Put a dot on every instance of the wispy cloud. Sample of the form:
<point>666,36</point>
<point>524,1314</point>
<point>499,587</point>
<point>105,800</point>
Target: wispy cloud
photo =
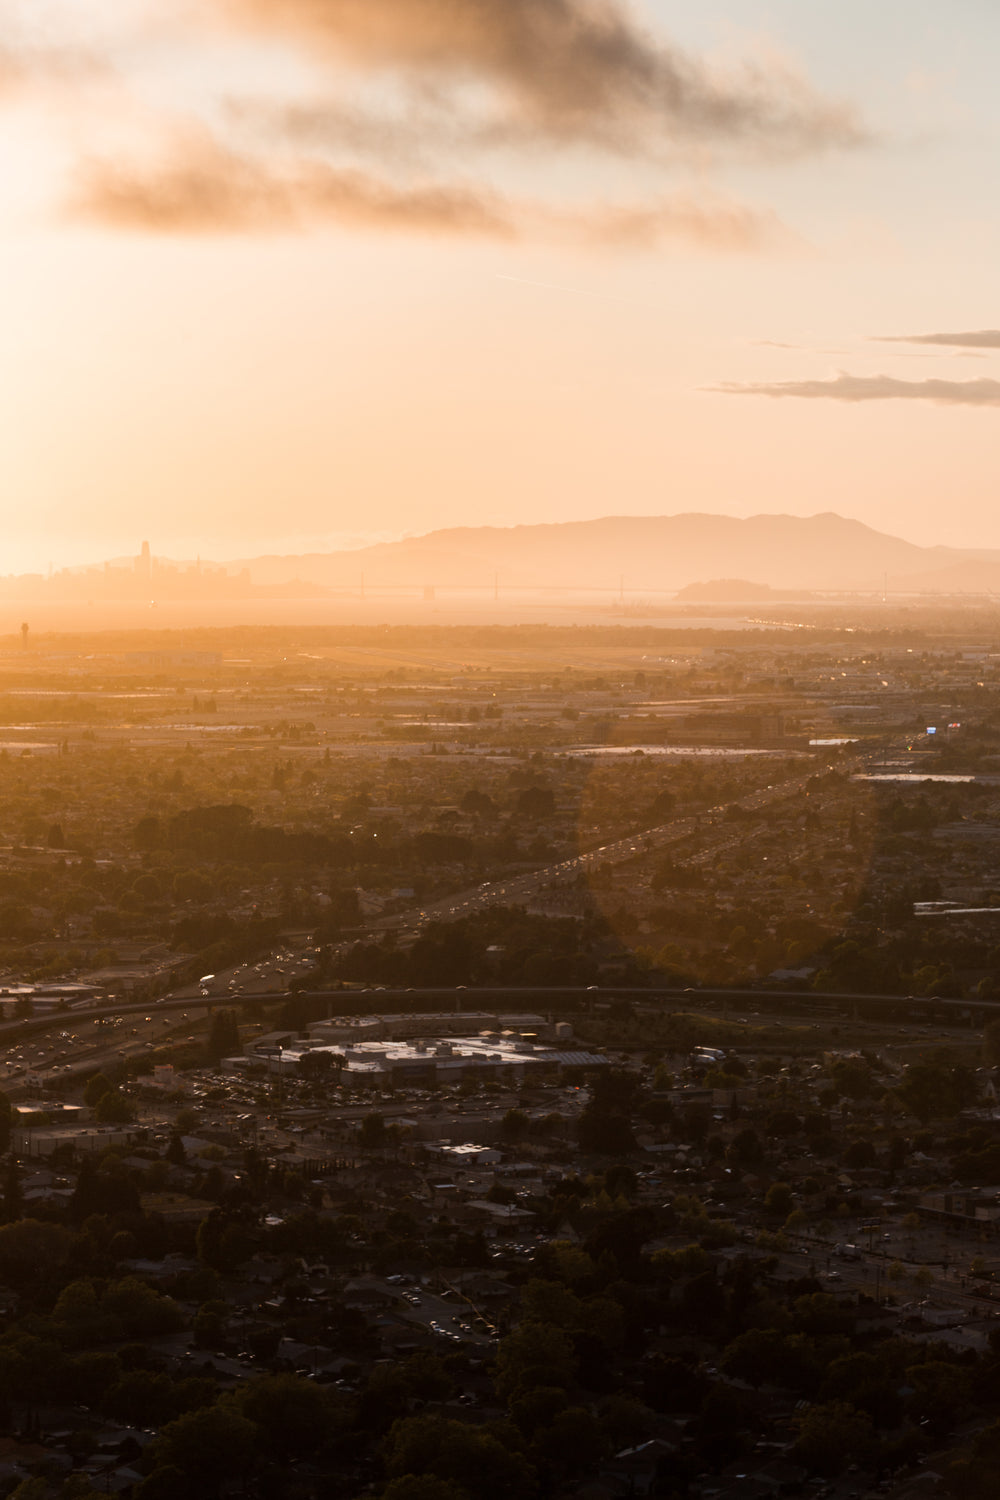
<point>570,70</point>
<point>29,68</point>
<point>854,388</point>
<point>201,187</point>
<point>985,338</point>
<point>418,115</point>
<point>712,222</point>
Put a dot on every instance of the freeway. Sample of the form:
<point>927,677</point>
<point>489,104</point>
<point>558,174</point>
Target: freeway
<point>67,1044</point>
<point>79,1049</point>
<point>517,889</point>
<point>490,998</point>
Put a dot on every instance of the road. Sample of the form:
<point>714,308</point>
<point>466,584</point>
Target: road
<point>516,890</point>
<point>945,1257</point>
<point>65,1044</point>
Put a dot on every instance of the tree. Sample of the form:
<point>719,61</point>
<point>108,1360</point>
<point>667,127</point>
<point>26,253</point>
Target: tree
<point>936,1088</point>
<point>175,1153</point>
<point>860,1154</point>
<point>626,1421</point>
<point>165,1483</point>
<point>831,1435</point>
<point>141,1398</point>
<point>571,1444</point>
<point>424,1487</point>
<point>991,1043</point>
<point>779,1199</point>
<point>31,1489</point>
<point>77,1314</point>
<point>852,1077</point>
<point>292,1414</point>
<point>209,1447</point>
<point>536,803</point>
<point>191,885</point>
<point>114,1109</point>
<point>6,1116</point>
<point>604,1125</point>
<point>534,1354</point>
<point>475,1460</point>
<point>763,1356</point>
<point>745,1148</point>
<point>373,1132</point>
<point>29,1250</point>
<point>138,1310</point>
<point>478,804</point>
<point>148,887</point>
<point>868,1382</point>
<point>976,1479</point>
<point>316,1065</point>
<point>940,1391</point>
<point>13,1200</point>
<point>222,1242</point>
<point>148,833</point>
<point>537,1408</point>
<point>95,1089</point>
<point>426,1378</point>
<point>105,1190</point>
<point>223,1035</point>
<point>620,1180</point>
<point>209,1326</point>
<point>514,1125</point>
<point>820,1315</point>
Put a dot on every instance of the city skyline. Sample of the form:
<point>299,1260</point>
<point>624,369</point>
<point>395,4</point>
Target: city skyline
<point>303,277</point>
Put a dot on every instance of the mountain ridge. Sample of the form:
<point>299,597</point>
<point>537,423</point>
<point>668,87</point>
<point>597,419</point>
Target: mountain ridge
<point>660,553</point>
<point>611,554</point>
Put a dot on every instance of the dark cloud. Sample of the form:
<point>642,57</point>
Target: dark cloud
<point>201,187</point>
<point>874,388</point>
<point>985,338</point>
<point>579,70</point>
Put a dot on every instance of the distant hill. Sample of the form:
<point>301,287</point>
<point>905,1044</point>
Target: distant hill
<point>734,591</point>
<point>647,552</point>
<point>790,555</point>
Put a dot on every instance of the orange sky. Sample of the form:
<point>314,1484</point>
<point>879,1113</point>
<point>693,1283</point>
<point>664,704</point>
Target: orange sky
<point>281,274</point>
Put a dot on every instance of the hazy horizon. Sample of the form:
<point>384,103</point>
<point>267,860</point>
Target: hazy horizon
<point>358,542</point>
<point>192,554</point>
<point>289,277</point>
